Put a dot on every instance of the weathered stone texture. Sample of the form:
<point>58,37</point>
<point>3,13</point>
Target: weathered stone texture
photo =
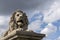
<point>23,35</point>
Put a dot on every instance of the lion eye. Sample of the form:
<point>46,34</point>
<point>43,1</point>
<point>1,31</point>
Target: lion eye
<point>17,14</point>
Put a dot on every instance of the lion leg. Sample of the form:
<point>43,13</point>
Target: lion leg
<point>6,33</point>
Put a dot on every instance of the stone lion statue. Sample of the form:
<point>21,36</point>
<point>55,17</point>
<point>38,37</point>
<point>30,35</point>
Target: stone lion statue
<point>18,20</point>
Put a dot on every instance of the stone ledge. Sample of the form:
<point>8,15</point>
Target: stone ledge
<point>23,34</point>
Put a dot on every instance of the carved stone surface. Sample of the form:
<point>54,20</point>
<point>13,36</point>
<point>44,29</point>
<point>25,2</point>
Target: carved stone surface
<point>23,35</point>
<point>18,26</point>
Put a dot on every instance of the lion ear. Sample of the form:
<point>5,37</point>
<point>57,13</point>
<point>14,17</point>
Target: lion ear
<point>13,15</point>
<point>24,14</point>
<point>11,18</point>
<point>26,19</point>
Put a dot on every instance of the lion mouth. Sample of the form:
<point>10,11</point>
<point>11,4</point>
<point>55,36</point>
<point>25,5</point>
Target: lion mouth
<point>20,21</point>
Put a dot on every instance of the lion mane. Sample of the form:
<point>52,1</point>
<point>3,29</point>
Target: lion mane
<point>13,25</point>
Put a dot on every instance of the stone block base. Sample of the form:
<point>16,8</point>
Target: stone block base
<point>23,35</point>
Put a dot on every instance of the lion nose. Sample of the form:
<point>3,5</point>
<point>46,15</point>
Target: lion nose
<point>21,16</point>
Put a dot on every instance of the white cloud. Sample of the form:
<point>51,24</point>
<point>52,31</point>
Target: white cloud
<point>47,38</point>
<point>50,15</point>
<point>49,29</point>
<point>35,25</point>
<point>58,38</point>
<point>3,23</point>
<point>53,14</point>
<point>32,13</point>
<point>3,20</point>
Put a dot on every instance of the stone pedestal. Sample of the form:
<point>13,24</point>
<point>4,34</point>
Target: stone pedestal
<point>23,35</point>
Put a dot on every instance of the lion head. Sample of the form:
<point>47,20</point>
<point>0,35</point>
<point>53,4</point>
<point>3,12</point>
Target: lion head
<point>18,20</point>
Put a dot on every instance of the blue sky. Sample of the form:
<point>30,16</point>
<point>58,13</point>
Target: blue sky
<point>43,15</point>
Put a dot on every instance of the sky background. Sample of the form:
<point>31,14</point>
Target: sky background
<point>43,15</point>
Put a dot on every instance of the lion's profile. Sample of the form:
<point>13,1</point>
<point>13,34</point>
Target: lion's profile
<point>18,20</point>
